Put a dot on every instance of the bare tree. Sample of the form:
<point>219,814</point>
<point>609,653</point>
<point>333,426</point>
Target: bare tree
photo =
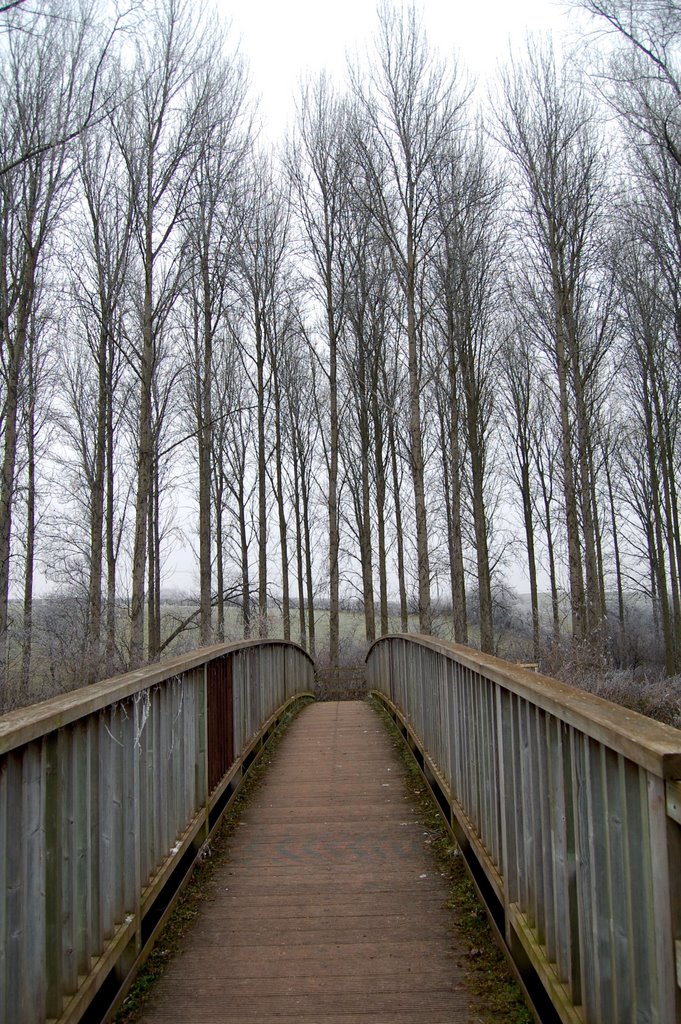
<point>467,259</point>
<point>37,421</point>
<point>408,111</point>
<point>644,71</point>
<point>317,162</point>
<point>234,483</point>
<point>40,87</point>
<point>101,262</point>
<point>651,375</point>
<point>301,426</point>
<point>92,97</point>
<point>547,123</point>
<point>519,392</point>
<point>262,267</point>
<point>211,251</point>
<point>157,131</point>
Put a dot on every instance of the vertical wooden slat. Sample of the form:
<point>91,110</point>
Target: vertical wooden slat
<point>585,877</point>
<point>119,845</point>
<point>34,867</point>
<point>94,922</point>
<point>618,871</point>
<point>131,810</point>
<point>143,729</point>
<point>82,830</point>
<point>666,1001</point>
<point>601,911</point>
<point>4,884</point>
<point>53,876</point>
<point>562,866</point>
<point>545,844</point>
<point>508,865</point>
<point>68,865</point>
<point>220,720</point>
<point>157,781</point>
<point>106,814</point>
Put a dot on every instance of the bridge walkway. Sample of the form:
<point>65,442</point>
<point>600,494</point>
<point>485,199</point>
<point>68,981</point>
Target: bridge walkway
<point>331,907</point>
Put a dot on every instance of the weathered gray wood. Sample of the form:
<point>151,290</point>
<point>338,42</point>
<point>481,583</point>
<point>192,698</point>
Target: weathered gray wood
<point>622,935</point>
<point>20,726</point>
<point>589,861</point>
<point>94,921</point>
<point>4,882</point>
<point>68,866</point>
<point>82,851</point>
<point>651,744</point>
<point>99,792</point>
<point>35,873</point>
<point>132,872</point>
<point>53,876</point>
<point>668,1000</point>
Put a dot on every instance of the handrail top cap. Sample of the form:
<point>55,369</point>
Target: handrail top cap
<point>651,744</point>
<point>28,723</point>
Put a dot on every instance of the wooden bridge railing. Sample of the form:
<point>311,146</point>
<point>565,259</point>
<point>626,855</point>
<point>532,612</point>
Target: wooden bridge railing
<point>568,811</point>
<point>107,795</point>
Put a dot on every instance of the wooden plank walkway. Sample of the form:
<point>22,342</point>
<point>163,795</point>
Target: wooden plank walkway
<point>331,907</point>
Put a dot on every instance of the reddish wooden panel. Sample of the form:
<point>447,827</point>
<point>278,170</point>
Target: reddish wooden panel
<point>220,719</point>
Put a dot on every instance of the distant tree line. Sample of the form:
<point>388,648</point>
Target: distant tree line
<point>427,337</point>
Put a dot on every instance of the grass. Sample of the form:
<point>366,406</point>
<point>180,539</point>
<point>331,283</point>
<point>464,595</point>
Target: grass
<point>197,890</point>
<point>487,973</point>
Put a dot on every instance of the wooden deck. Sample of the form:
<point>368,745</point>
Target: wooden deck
<point>331,907</point>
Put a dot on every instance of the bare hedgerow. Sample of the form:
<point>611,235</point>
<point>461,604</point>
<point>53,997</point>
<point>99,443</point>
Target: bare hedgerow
<point>585,664</point>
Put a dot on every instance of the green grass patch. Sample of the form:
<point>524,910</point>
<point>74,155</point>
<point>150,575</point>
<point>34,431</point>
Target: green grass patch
<point>487,972</point>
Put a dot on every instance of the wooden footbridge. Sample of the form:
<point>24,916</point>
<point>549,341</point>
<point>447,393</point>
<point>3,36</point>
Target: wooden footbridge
<point>566,808</point>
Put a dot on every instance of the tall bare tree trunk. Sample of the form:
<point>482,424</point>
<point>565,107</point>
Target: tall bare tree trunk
<point>144,454</point>
<point>205,445</point>
<point>380,481</point>
<point>15,349</point>
<point>416,444</point>
<point>281,508</point>
<point>300,569</point>
<point>219,562</point>
<point>29,559</point>
<point>110,541</point>
<point>262,476</point>
<point>399,536</point>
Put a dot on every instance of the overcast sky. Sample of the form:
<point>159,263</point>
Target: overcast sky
<point>285,40</point>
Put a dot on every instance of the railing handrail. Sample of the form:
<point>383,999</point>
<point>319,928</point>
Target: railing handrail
<point>23,725</point>
<point>653,745</point>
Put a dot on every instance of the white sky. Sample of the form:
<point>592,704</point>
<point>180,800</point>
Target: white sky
<point>285,40</point>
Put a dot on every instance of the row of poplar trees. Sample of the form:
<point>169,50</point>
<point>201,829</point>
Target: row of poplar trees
<point>429,336</point>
